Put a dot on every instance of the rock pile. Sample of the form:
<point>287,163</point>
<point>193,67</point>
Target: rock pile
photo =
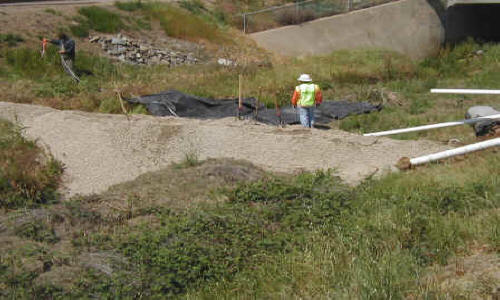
<point>138,52</point>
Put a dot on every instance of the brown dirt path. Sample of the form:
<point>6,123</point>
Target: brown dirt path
<point>100,150</point>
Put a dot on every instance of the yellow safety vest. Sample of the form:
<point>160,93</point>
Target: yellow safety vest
<point>307,94</point>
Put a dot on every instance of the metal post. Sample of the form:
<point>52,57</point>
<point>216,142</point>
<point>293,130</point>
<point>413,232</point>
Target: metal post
<point>240,96</point>
<point>349,5</point>
<point>244,23</point>
<point>297,9</point>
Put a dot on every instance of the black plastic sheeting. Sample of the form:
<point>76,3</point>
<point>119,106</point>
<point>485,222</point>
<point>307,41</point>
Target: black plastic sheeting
<point>175,103</point>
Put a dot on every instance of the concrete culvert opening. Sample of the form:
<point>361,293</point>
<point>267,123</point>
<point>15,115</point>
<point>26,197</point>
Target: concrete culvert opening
<point>472,19</point>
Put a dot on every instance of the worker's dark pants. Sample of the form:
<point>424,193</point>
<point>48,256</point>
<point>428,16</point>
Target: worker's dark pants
<point>306,116</point>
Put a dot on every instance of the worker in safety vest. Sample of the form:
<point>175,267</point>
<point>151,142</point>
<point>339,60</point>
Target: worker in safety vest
<point>306,96</point>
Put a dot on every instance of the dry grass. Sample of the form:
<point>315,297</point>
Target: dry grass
<point>179,187</point>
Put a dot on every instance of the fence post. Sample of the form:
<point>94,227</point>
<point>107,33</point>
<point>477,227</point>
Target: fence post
<point>240,94</point>
<point>297,9</point>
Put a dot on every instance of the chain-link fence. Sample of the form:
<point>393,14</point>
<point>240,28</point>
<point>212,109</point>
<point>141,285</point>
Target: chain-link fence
<point>299,12</point>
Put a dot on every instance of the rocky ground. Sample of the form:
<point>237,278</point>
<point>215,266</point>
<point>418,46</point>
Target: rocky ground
<point>142,52</point>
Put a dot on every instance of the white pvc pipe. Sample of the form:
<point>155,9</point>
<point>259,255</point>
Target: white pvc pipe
<point>453,152</point>
<point>433,126</point>
<point>465,91</point>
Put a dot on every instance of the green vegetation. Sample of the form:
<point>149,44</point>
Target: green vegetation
<point>10,39</point>
<point>191,22</point>
<point>401,85</point>
<point>101,19</point>
<point>53,12</point>
<point>28,178</point>
<point>374,242</point>
<point>49,83</point>
<point>37,231</point>
<point>181,24</point>
<point>130,5</point>
<point>302,236</point>
<point>98,19</point>
<point>225,229</point>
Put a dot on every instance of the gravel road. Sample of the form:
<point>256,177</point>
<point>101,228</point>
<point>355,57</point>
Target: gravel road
<point>100,150</point>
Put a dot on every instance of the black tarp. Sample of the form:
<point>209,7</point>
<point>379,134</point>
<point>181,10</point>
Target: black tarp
<point>175,103</point>
<point>484,127</point>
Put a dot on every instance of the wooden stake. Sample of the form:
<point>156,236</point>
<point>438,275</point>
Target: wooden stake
<point>278,110</point>
<point>240,92</point>
<point>257,103</point>
<point>120,99</point>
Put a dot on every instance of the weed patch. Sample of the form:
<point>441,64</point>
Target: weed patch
<point>301,235</point>
<point>28,178</point>
<point>217,242</point>
<point>180,23</point>
<point>101,19</point>
<point>10,39</point>
<point>37,231</point>
<point>130,5</point>
<point>52,12</point>
<point>377,242</point>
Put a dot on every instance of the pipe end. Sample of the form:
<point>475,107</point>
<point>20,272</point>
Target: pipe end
<point>404,163</point>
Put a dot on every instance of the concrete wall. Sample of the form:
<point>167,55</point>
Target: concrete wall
<point>411,27</point>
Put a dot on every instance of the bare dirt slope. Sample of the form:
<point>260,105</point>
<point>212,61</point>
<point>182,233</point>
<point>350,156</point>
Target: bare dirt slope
<point>100,150</point>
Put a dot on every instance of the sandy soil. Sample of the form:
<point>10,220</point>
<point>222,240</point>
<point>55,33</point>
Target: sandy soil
<point>99,150</point>
<point>475,276</point>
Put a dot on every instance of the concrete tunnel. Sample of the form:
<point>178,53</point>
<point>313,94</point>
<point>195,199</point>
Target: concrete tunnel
<point>478,19</point>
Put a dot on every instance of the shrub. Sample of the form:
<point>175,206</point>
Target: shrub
<point>28,178</point>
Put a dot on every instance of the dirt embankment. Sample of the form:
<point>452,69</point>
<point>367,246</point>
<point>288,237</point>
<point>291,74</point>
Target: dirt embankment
<point>100,150</point>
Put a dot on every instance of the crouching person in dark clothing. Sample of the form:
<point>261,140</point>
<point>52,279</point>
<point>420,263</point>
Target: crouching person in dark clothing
<point>67,52</point>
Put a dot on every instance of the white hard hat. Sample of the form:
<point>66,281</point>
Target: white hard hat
<point>305,78</point>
